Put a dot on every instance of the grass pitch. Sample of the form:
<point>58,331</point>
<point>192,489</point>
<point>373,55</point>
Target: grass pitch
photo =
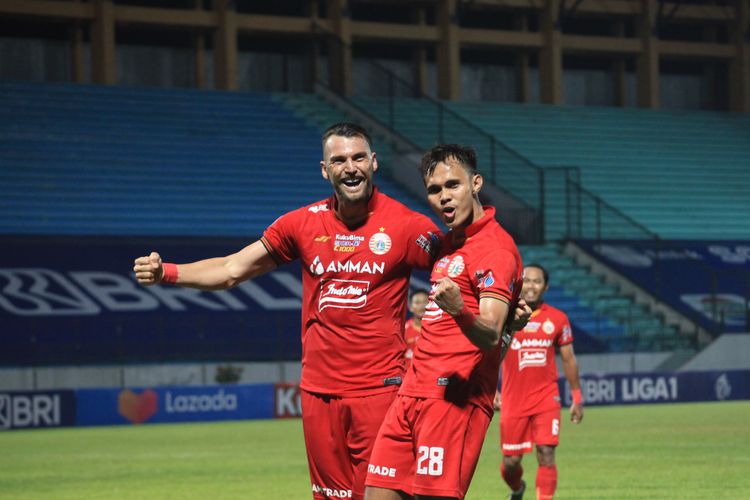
<point>673,451</point>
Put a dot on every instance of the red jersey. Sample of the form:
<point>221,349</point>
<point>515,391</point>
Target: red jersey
<point>411,335</point>
<point>447,365</point>
<point>529,384</point>
<point>354,289</point>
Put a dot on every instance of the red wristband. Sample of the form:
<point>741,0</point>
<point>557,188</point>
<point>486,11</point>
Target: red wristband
<point>170,273</point>
<point>465,319</point>
<point>576,394</point>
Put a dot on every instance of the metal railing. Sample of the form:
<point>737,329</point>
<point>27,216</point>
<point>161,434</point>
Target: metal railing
<point>393,101</point>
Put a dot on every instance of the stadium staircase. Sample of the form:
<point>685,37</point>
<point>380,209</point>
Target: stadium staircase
<point>85,159</point>
<point>682,175</point>
<point>603,318</point>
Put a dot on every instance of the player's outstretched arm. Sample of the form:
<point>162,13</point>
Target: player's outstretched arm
<point>570,368</point>
<point>483,330</point>
<point>217,273</point>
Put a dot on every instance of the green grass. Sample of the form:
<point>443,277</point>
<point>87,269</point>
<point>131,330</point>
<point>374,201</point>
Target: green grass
<point>660,451</point>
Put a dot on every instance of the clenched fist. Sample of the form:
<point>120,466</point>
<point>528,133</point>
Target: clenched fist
<point>447,295</point>
<point>148,269</point>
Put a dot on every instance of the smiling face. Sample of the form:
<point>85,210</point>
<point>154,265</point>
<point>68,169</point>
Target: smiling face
<point>349,165</point>
<point>534,286</point>
<point>451,192</point>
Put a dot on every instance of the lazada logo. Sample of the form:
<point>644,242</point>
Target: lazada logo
<point>137,408</point>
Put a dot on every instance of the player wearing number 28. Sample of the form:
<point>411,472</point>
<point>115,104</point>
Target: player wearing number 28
<point>430,440</point>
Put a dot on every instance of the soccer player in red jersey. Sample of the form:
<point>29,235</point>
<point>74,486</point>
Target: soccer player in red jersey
<point>431,437</point>
<point>530,397</point>
<point>413,327</point>
<point>357,249</point>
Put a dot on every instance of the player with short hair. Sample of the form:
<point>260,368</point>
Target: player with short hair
<point>431,438</point>
<point>357,249</point>
<point>530,397</point>
<point>413,327</point>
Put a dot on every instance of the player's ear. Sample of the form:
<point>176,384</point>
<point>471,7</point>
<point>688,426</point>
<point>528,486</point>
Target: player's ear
<point>476,184</point>
<point>323,169</point>
<point>374,162</point>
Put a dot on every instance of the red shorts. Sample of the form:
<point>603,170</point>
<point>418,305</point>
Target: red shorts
<point>428,447</point>
<point>339,435</point>
<point>519,435</point>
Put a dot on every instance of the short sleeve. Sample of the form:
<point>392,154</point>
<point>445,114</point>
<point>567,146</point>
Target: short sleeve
<point>280,238</point>
<point>496,276</point>
<point>423,241</point>
<point>565,336</point>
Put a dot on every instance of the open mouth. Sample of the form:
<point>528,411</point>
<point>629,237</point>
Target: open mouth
<point>449,212</point>
<point>353,182</point>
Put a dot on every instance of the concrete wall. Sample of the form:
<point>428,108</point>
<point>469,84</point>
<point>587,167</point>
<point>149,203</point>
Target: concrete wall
<point>728,352</point>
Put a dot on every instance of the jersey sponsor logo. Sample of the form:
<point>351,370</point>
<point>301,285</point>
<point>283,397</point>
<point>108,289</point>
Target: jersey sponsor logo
<point>323,207</point>
<point>322,239</point>
<point>343,294</point>
<point>381,470</point>
<point>456,266</point>
<point>548,327</point>
<point>487,280</point>
<point>532,357</point>
<point>331,492</point>
<point>441,265</point>
<point>518,344</point>
<point>347,243</point>
<point>380,243</point>
<point>567,334</point>
<point>532,327</point>
<point>318,267</point>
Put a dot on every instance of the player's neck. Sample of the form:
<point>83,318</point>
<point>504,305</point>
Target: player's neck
<point>352,214</point>
<point>416,323</point>
<point>458,233</point>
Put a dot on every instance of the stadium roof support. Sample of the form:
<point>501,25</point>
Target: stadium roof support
<point>439,25</point>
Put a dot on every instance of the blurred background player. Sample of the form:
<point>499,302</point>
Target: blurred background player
<point>433,433</point>
<point>357,249</point>
<point>413,327</point>
<point>530,412</point>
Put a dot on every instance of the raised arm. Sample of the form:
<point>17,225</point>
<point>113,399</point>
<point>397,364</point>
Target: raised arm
<point>483,330</point>
<point>217,273</point>
<point>570,369</point>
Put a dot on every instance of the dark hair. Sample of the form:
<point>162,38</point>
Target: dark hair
<point>465,155</point>
<point>346,129</point>
<point>544,272</point>
<point>418,291</point>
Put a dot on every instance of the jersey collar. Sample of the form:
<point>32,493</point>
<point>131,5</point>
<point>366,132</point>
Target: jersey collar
<point>476,226</point>
<point>372,203</point>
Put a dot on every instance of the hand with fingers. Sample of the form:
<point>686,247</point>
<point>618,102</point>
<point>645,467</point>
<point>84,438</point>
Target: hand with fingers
<point>521,316</point>
<point>576,413</point>
<point>148,269</point>
<point>447,296</point>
